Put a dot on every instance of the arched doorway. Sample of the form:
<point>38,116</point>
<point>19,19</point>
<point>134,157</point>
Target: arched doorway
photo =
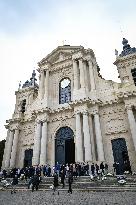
<point>64,146</point>
<point>120,155</point>
<point>28,157</point>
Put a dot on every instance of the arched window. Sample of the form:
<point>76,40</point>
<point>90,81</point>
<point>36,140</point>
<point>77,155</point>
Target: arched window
<point>23,106</point>
<point>64,91</point>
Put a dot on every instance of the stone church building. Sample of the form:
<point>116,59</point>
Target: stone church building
<point>74,115</point>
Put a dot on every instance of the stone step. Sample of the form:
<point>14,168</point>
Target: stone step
<point>82,183</point>
<point>89,189</point>
<point>81,186</point>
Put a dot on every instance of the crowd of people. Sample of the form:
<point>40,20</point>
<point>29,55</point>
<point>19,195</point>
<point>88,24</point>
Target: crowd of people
<point>34,174</point>
<point>77,169</point>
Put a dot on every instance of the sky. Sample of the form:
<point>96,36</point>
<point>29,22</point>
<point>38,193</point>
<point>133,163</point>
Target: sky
<point>30,29</point>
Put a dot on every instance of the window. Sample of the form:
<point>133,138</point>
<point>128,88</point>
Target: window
<point>23,106</point>
<point>133,71</point>
<point>64,91</point>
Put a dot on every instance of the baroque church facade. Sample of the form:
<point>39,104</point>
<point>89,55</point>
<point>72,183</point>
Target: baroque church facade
<point>74,115</point>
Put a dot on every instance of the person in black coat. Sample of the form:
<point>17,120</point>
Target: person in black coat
<point>35,182</point>
<point>14,183</point>
<point>55,182</point>
<point>62,177</point>
<point>92,169</point>
<point>70,180</point>
<point>102,168</point>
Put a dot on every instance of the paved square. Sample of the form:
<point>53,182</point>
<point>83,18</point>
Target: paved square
<point>85,198</point>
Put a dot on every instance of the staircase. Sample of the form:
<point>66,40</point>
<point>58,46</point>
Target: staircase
<point>84,183</point>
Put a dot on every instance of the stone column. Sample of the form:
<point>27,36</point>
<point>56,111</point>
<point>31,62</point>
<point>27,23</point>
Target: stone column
<point>75,69</point>
<point>92,138</point>
<point>37,144</point>
<point>9,148</point>
<point>79,142</point>
<point>87,139</point>
<point>132,124</point>
<point>46,85</point>
<point>53,152</point>
<point>6,148</point>
<point>99,142</point>
<point>14,149</point>
<point>41,84</point>
<point>82,74</point>
<point>43,156</point>
<point>91,75</point>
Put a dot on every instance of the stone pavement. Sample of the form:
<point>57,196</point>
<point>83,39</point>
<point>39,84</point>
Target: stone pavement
<point>78,197</point>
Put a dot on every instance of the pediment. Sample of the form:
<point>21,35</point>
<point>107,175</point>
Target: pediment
<point>59,54</point>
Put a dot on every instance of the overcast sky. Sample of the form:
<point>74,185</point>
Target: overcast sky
<point>30,29</point>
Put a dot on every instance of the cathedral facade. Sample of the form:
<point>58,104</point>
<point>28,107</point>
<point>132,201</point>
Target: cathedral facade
<point>73,114</point>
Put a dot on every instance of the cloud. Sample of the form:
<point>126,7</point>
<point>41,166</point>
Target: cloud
<point>31,29</point>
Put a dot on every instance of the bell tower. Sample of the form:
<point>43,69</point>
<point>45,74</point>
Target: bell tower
<point>126,64</point>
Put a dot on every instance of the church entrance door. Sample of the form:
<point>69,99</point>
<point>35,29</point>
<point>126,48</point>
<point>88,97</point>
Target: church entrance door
<point>120,155</point>
<point>28,158</point>
<point>64,146</point>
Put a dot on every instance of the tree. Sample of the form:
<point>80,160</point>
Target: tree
<point>2,146</point>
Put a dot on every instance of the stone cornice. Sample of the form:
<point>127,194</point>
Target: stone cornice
<point>24,90</point>
<point>124,59</point>
<point>126,94</point>
<point>6,126</point>
<point>60,109</point>
<point>119,98</point>
<point>70,106</point>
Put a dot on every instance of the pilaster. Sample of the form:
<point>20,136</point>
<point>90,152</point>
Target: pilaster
<point>91,75</point>
<point>82,74</point>
<point>132,124</point>
<point>79,140</point>
<point>41,84</point>
<point>14,149</point>
<point>99,142</point>
<point>9,148</point>
<point>43,155</point>
<point>37,143</point>
<point>6,149</point>
<point>87,141</point>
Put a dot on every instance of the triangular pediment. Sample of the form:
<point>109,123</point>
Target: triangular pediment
<point>60,54</point>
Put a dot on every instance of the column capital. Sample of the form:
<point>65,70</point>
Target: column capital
<point>75,60</point>
<point>128,107</point>
<point>85,112</point>
<point>42,70</point>
<point>45,120</point>
<point>37,121</point>
<point>90,62</point>
<point>77,112</point>
<point>46,70</point>
<point>95,112</point>
<point>16,127</point>
<point>81,59</point>
<point>11,130</point>
<point>46,65</point>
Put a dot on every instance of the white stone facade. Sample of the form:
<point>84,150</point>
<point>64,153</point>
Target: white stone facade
<point>99,110</point>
